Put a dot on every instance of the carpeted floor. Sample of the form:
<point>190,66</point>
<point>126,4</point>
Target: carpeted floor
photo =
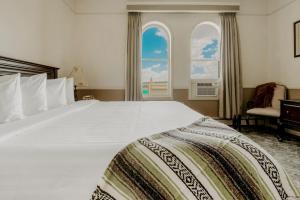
<point>287,153</point>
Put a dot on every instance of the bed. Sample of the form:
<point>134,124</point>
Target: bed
<point>64,152</point>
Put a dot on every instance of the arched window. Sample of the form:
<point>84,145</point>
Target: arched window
<point>156,65</point>
<point>205,51</point>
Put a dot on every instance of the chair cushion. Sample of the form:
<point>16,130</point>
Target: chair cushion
<point>279,94</point>
<point>269,112</point>
<point>263,95</point>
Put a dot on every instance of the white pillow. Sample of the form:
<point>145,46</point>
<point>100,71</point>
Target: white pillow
<point>56,92</point>
<point>10,98</point>
<point>70,90</point>
<point>34,94</point>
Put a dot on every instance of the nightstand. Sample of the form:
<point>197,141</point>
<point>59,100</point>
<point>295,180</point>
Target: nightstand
<point>289,118</point>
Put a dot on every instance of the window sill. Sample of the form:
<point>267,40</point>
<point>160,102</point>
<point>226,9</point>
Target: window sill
<point>158,99</point>
<point>203,98</point>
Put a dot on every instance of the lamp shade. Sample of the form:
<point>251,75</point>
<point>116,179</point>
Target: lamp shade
<point>79,77</point>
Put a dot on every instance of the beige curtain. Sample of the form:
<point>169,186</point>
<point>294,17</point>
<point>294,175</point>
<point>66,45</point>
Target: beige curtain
<point>133,75</point>
<point>231,86</point>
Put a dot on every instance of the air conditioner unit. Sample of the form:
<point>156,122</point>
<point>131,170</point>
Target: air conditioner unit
<point>204,90</point>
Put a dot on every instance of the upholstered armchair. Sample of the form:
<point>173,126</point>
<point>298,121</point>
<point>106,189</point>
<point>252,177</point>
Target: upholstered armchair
<point>272,111</point>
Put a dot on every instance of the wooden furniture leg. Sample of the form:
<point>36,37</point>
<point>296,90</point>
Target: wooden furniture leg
<point>234,122</point>
<point>280,131</point>
<point>239,122</point>
<point>247,121</point>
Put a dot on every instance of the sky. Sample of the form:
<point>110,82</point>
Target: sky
<point>207,51</point>
<point>155,46</point>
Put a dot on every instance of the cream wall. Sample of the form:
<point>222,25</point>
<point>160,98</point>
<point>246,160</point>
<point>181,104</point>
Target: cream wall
<point>92,33</point>
<point>276,5</point>
<point>282,66</point>
<point>22,32</point>
<point>38,30</point>
<point>253,37</point>
<point>101,41</point>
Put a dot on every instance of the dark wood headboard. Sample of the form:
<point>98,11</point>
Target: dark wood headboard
<point>12,66</point>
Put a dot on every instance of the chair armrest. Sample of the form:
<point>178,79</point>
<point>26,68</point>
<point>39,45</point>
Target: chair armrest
<point>249,105</point>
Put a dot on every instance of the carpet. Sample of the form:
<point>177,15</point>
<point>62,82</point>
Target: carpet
<point>287,153</point>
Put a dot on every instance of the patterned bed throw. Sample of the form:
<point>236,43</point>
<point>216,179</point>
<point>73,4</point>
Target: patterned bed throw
<point>206,160</point>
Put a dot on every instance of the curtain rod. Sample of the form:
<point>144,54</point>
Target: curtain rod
<point>183,8</point>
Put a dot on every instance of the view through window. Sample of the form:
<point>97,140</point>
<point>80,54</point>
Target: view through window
<point>155,61</point>
<point>205,50</point>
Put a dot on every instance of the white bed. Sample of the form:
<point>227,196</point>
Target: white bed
<point>62,153</point>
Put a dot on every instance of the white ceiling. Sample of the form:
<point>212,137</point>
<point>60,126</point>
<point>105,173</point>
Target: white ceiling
<point>274,5</point>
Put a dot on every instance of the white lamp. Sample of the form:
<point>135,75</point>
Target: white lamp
<point>79,79</point>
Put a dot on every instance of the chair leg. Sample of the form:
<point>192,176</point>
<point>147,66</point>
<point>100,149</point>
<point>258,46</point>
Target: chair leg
<point>239,122</point>
<point>234,122</point>
<point>247,121</point>
<point>280,132</point>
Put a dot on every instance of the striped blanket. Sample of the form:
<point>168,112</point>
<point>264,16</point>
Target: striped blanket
<point>206,160</point>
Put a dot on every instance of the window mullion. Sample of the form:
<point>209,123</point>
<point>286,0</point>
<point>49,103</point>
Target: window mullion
<point>154,60</point>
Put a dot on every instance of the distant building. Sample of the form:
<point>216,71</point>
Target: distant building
<point>153,89</point>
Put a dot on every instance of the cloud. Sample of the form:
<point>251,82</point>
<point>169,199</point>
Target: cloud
<point>205,48</point>
<point>156,66</point>
<point>161,33</point>
<point>210,50</point>
<point>148,74</point>
<point>158,51</point>
<point>205,31</point>
<point>205,70</point>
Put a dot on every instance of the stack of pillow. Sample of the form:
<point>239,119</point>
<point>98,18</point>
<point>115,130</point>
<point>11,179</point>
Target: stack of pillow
<point>26,96</point>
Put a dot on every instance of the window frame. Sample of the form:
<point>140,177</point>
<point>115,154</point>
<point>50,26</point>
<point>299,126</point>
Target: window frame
<point>162,26</point>
<point>217,27</point>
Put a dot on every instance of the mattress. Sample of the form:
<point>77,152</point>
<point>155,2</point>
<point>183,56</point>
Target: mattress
<point>62,153</point>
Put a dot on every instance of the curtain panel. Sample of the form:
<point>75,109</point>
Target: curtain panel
<point>133,70</point>
<point>231,86</point>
